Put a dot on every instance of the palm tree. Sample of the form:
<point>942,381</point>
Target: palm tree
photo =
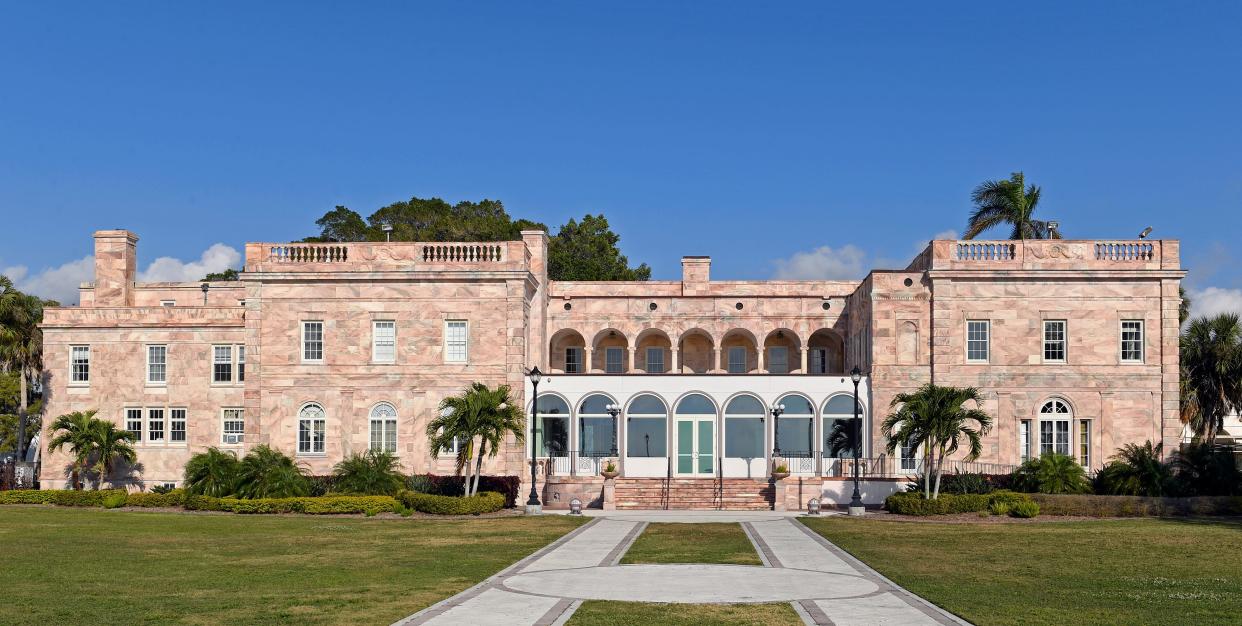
<point>480,412</point>
<point>933,417</point>
<point>75,431</point>
<point>1211,366</point>
<point>21,346</point>
<point>1012,202</point>
<point>111,445</point>
<point>1136,471</point>
<point>269,473</point>
<point>499,417</point>
<point>212,473</point>
<point>371,473</point>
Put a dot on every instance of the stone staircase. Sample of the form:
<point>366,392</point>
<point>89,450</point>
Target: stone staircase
<point>731,494</point>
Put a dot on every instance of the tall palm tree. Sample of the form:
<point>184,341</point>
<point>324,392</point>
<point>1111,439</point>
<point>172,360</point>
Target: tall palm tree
<point>933,417</point>
<point>111,445</point>
<point>1211,366</point>
<point>481,413</point>
<point>499,417</point>
<point>1007,202</point>
<point>21,346</point>
<point>76,432</point>
<point>457,421</point>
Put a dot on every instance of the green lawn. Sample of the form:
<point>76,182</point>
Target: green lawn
<point>692,543</point>
<point>604,613</point>
<point>92,566</point>
<point>1103,572</point>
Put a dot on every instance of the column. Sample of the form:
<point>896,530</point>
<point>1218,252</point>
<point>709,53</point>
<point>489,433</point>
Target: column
<point>588,355</point>
<point>805,362</point>
<point>762,361</point>
<point>716,360</point>
<point>675,360</point>
<point>632,364</point>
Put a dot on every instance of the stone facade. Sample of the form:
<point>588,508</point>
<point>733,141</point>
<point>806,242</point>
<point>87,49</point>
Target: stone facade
<point>777,341</point>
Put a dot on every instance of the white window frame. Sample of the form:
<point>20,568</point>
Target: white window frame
<point>659,354</point>
<point>1084,443</point>
<point>1055,419</point>
<point>987,341</point>
<point>457,349</point>
<point>175,416</point>
<point>772,360</point>
<point>79,377</point>
<point>162,421</point>
<point>383,348</point>
<point>609,363</point>
<point>232,415</point>
<point>1054,344</point>
<point>318,425</point>
<point>576,362</point>
<point>378,417</point>
<point>1024,441</point>
<point>163,350</point>
<point>136,415</point>
<point>305,327</point>
<point>451,450</point>
<point>729,362</point>
<point>216,363</point>
<point>240,351</point>
<point>1142,337</point>
<point>817,361</point>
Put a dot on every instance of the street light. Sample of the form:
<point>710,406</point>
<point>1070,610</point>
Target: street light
<point>532,504</point>
<point>614,410</point>
<point>387,228</point>
<point>776,429</point>
<point>856,503</point>
<point>205,287</point>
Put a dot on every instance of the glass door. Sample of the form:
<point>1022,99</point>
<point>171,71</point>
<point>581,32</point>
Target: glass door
<point>696,446</point>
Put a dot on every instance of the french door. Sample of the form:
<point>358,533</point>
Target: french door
<point>696,446</point>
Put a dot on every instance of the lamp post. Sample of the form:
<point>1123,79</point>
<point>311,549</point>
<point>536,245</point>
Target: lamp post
<point>387,228</point>
<point>532,504</point>
<point>613,410</point>
<point>856,503</point>
<point>205,287</point>
<point>776,429</point>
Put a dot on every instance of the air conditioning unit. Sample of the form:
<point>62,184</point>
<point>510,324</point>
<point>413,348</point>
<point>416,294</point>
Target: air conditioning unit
<point>233,438</point>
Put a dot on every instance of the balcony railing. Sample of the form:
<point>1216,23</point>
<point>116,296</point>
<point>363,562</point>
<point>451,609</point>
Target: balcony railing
<point>365,256</point>
<point>1053,254</point>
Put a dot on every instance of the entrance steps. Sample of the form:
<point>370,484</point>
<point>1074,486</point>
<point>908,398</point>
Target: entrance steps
<point>730,494</point>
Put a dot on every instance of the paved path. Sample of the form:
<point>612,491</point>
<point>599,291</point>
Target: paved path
<point>823,583</point>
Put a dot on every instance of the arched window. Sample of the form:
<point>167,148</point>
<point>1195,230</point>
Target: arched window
<point>839,426</point>
<point>312,427</point>
<point>1054,427</point>
<point>552,426</point>
<point>384,428</point>
<point>596,436</point>
<point>744,428</point>
<point>646,427</point>
<point>796,430</point>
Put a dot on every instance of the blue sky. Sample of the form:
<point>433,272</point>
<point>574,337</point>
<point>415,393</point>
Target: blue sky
<point>783,140</point>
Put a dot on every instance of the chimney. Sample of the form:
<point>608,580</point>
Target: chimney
<point>116,264</point>
<point>695,274</point>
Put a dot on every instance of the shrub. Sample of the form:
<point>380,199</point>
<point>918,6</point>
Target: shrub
<point>483,502</point>
<point>114,500</point>
<point>1024,509</point>
<point>268,473</point>
<point>26,496</point>
<point>83,498</point>
<point>962,483</point>
<point>162,489</point>
<point>164,499</point>
<point>212,473</point>
<point>911,503</point>
<point>1051,473</point>
<point>1203,470</point>
<point>1136,506</point>
<point>452,486</point>
<point>328,505</point>
<point>999,507</point>
<point>370,473</point>
<point>1135,471</point>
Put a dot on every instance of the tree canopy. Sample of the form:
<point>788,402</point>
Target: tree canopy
<point>229,274</point>
<point>1007,203</point>
<point>580,250</point>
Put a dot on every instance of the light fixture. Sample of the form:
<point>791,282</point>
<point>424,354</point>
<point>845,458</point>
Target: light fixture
<point>1145,233</point>
<point>575,507</point>
<point>205,287</point>
<point>1053,226</point>
<point>387,228</point>
<point>812,506</point>
<point>856,374</point>
<point>532,503</point>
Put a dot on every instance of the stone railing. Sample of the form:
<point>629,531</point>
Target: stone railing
<point>396,255</point>
<point>1064,254</point>
<point>308,253</point>
<point>463,253</point>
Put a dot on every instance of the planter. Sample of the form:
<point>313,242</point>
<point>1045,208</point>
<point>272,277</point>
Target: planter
<point>610,475</point>
<point>780,475</point>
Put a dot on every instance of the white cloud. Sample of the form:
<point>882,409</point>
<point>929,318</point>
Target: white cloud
<point>166,269</point>
<point>823,263</point>
<point>1214,301</point>
<point>61,283</point>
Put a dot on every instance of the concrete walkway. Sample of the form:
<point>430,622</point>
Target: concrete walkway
<point>823,583</point>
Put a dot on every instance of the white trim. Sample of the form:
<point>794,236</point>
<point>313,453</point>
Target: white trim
<point>1045,343</point>
<point>451,342</point>
<point>302,326</point>
<point>73,379</point>
<point>987,340</point>
<point>1142,339</point>
<point>240,438</point>
<point>390,342</point>
<point>323,439</point>
<point>164,380</point>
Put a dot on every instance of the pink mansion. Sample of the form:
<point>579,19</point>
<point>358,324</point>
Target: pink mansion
<point>322,350</point>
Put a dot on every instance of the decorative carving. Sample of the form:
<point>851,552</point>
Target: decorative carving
<point>384,253</point>
<point>1056,251</point>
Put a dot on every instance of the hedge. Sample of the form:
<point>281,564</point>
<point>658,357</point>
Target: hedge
<point>1136,506</point>
<point>482,502</point>
<point>909,503</point>
<point>442,485</point>
<point>84,498</point>
<point>26,496</point>
<point>174,498</point>
<point>325,505</point>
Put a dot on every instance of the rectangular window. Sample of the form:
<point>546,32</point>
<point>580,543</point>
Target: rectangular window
<point>737,360</point>
<point>155,425</point>
<point>1054,437</point>
<point>1132,341</point>
<point>312,342</point>
<point>133,422</point>
<point>573,360</point>
<point>222,364</point>
<point>655,360</point>
<point>909,462</point>
<point>157,365</point>
<point>1054,341</point>
<point>80,364</point>
<point>168,302</point>
<point>384,435</point>
<point>176,425</point>
<point>1084,443</point>
<point>456,341</point>
<point>778,360</point>
<point>311,433</point>
<point>1024,440</point>
<point>383,341</point>
<point>819,361</point>
<point>614,360</point>
<point>451,449</point>
<point>241,363</point>
<point>977,340</point>
<point>234,426</point>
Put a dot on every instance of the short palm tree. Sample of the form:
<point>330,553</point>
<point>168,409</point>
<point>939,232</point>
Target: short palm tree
<point>1211,353</point>
<point>74,431</point>
<point>268,473</point>
<point>212,473</point>
<point>112,445</point>
<point>933,418</point>
<point>1007,202</point>
<point>1136,470</point>
<point>1051,473</point>
<point>371,473</point>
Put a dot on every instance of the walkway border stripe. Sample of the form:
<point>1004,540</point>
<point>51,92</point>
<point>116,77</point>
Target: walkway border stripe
<point>765,553</point>
<point>614,557</point>
<point>910,598</point>
<point>489,582</point>
<point>812,611</point>
<point>559,613</point>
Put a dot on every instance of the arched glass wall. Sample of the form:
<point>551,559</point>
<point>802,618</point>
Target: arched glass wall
<point>744,419</point>
<point>646,427</point>
<point>552,427</point>
<point>839,426</point>
<point>797,427</point>
<point>595,427</point>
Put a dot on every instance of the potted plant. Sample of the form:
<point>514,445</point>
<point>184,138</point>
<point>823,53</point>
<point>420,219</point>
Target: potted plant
<point>780,472</point>
<point>610,471</point>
